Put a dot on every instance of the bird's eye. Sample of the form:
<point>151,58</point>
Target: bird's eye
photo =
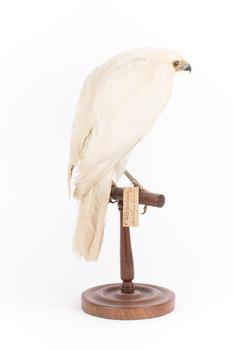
<point>176,63</point>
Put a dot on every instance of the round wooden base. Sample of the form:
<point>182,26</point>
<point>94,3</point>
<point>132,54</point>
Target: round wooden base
<point>147,301</point>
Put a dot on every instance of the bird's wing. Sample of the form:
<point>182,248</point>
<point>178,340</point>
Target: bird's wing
<point>83,124</point>
<point>118,105</point>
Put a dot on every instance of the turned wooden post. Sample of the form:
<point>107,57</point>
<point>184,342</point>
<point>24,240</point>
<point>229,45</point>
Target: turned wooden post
<point>126,256</point>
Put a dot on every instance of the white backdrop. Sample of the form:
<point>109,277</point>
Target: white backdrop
<point>47,50</point>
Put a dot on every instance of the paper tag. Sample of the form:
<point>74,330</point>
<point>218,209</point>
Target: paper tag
<point>130,206</point>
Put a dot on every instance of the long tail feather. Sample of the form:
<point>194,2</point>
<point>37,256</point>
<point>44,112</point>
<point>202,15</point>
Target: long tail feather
<point>89,231</point>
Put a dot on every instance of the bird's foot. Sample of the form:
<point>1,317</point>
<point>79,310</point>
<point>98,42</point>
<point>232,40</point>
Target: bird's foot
<point>136,184</point>
<point>134,181</point>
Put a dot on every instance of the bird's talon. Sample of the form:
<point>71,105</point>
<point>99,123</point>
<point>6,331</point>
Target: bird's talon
<point>112,201</point>
<point>144,210</point>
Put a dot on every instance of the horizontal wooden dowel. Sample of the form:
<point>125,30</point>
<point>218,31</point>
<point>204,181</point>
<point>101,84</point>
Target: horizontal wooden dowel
<point>145,198</point>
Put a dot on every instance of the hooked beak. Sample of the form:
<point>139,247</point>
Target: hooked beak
<point>187,68</point>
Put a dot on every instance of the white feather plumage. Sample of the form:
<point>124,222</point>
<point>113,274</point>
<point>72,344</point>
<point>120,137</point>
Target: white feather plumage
<point>118,105</point>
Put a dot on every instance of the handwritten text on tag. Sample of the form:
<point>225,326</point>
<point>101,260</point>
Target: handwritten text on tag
<point>130,206</point>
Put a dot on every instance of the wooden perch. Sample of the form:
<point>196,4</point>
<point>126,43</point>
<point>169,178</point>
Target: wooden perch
<point>145,198</point>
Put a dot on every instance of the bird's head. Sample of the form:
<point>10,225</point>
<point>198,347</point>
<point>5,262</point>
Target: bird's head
<point>180,65</point>
<point>177,61</point>
<point>173,57</point>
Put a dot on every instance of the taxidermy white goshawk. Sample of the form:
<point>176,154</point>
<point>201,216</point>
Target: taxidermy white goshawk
<point>118,105</point>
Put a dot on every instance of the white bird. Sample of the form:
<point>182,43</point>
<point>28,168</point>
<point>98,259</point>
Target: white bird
<point>118,106</point>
